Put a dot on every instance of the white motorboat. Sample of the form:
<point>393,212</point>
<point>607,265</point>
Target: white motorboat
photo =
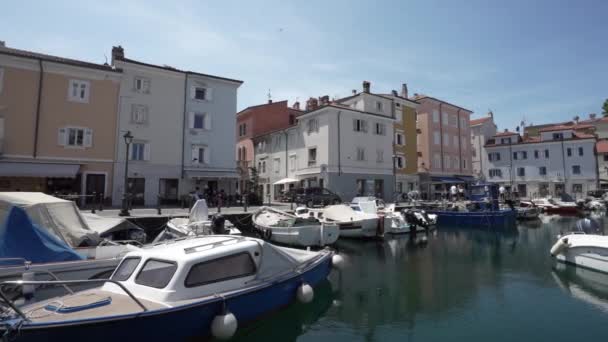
<point>284,228</point>
<point>581,249</point>
<point>197,223</point>
<point>351,223</point>
<point>420,218</point>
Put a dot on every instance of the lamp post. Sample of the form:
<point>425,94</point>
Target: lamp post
<point>125,208</point>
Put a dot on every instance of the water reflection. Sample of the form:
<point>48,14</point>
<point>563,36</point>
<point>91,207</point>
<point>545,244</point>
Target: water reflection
<point>588,286</point>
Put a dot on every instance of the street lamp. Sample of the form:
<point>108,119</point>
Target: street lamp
<point>125,208</point>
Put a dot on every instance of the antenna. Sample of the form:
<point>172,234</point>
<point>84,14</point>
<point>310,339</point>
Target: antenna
<point>269,95</point>
<point>106,58</point>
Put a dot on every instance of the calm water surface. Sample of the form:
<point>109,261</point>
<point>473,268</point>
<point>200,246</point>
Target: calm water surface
<point>462,284</point>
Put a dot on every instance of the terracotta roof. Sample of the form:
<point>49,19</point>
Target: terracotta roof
<point>168,68</point>
<point>602,146</point>
<point>479,121</point>
<point>565,127</point>
<point>422,97</point>
<point>264,104</point>
<point>507,133</point>
<point>531,139</point>
<point>56,59</point>
<point>583,135</point>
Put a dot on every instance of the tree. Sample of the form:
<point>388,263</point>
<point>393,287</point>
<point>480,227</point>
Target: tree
<point>605,108</point>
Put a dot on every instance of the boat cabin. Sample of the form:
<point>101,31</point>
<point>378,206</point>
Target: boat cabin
<point>190,268</point>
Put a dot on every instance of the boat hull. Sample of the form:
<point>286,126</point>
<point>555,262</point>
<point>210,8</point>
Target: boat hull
<point>366,228</point>
<point>303,236</point>
<point>594,258</point>
<point>562,210</point>
<point>491,219</point>
<point>182,322</point>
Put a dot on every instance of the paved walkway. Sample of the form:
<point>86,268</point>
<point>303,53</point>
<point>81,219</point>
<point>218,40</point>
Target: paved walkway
<point>177,212</point>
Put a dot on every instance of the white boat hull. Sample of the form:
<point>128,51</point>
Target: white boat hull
<point>588,251</point>
<point>303,236</point>
<point>366,228</point>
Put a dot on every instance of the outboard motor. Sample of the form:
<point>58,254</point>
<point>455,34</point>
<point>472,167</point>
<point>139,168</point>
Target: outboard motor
<point>218,224</point>
<point>588,226</point>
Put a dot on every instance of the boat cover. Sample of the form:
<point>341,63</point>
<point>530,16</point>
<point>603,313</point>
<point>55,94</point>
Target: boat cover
<point>59,217</point>
<point>21,238</point>
<point>199,211</point>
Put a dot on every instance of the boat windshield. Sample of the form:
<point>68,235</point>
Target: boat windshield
<point>126,268</point>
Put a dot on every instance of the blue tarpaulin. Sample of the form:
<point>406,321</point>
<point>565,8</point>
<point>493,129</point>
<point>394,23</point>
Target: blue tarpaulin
<point>20,238</point>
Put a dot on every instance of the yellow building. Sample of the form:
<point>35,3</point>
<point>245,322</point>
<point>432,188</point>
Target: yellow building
<point>405,152</point>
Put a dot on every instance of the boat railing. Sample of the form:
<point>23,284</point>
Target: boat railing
<point>61,282</point>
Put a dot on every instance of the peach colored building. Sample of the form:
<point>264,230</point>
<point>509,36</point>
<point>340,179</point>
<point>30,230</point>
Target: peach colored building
<point>444,145</point>
<point>57,123</point>
<point>257,120</point>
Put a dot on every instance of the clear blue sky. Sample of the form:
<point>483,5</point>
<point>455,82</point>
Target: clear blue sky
<point>545,60</point>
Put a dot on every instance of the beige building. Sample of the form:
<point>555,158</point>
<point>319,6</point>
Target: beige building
<point>57,123</point>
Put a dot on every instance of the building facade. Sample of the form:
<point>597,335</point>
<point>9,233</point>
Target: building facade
<point>444,145</point>
<point>561,159</point>
<point>183,128</point>
<point>57,124</point>
<point>405,155</point>
<point>602,163</point>
<point>482,130</point>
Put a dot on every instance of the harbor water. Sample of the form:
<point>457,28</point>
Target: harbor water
<point>459,284</point>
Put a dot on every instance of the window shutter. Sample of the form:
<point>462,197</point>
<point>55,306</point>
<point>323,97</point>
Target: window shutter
<point>364,125</point>
<point>146,86</point>
<point>207,121</point>
<point>191,120</point>
<point>207,155</point>
<point>194,155</point>
<point>209,94</point>
<point>88,137</point>
<point>354,124</point>
<point>146,110</point>
<point>192,92</point>
<point>61,137</point>
<point>147,151</point>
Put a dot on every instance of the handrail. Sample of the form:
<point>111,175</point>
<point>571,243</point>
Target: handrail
<point>61,282</point>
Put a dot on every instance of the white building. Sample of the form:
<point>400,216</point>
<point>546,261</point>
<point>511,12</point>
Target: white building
<point>560,159</point>
<point>158,104</point>
<point>482,130</point>
<point>602,163</point>
<point>346,148</point>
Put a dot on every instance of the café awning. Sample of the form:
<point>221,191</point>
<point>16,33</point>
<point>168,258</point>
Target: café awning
<point>285,181</point>
<point>211,174</point>
<point>21,169</point>
<point>446,180</point>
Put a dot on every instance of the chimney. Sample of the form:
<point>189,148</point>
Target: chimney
<point>394,92</point>
<point>312,104</point>
<point>592,116</point>
<point>506,130</point>
<point>324,100</point>
<point>354,91</point>
<point>404,90</point>
<point>296,105</point>
<point>491,114</point>
<point>117,53</point>
<point>366,86</point>
<point>269,101</point>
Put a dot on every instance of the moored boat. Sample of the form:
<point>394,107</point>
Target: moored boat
<point>201,286</point>
<point>553,206</point>
<point>583,247</point>
<point>284,228</point>
<point>351,223</point>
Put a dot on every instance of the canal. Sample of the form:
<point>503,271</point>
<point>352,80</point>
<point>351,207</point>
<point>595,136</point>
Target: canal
<point>460,284</point>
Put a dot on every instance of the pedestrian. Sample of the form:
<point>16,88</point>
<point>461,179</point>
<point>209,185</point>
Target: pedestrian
<point>453,192</point>
<point>461,192</point>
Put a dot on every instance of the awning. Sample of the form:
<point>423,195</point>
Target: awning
<point>447,180</point>
<point>286,181</point>
<point>211,174</point>
<point>16,169</point>
<point>467,179</point>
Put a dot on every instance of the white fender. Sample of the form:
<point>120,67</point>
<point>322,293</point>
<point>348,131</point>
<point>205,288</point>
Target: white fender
<point>305,293</point>
<point>28,290</point>
<point>559,246</point>
<point>224,326</point>
<point>337,261</point>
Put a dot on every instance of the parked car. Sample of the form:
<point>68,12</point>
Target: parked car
<point>599,193</point>
<point>316,196</point>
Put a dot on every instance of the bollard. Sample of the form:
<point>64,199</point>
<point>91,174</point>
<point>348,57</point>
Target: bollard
<point>100,201</point>
<point>158,208</point>
<point>93,204</point>
<point>245,203</point>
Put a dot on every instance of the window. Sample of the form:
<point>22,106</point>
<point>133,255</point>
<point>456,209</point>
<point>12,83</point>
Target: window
<point>380,129</point>
<point>436,138</point>
<point>436,161</point>
<point>360,187</point>
<point>495,173</point>
<point>577,188</point>
<point>222,269</point>
<point>400,162</point>
<point>580,151</point>
<point>379,156</point>
<point>359,125</point>
<point>524,154</point>
<point>515,155</point>
<point>264,166</point>
<point>399,139</point>
<point>292,119</point>
<point>446,139</point>
<point>312,156</point>
<point>542,170</point>
<point>200,93</point>
<point>242,129</point>
<point>1,79</point>
<point>535,154</point>
<point>464,164</point>
<point>558,136</point>
<point>379,106</point>
<point>446,161</point>
<point>126,268</point>
<point>521,171</point>
<point>277,141</point>
<point>497,155</point>
<point>292,163</point>
<point>75,137</point>
<point>455,138</point>
<point>200,154</point>
<point>142,85</point>
<point>505,140</point>
<point>200,121</point>
<point>156,273</point>
<point>312,125</point>
<point>360,154</point>
<point>139,114</point>
<point>435,116</point>
<point>138,151</point>
<point>276,165</point>
<point>444,118</point>
<point>569,152</point>
<point>79,91</point>
<point>546,153</point>
<point>606,157</point>
<point>576,169</point>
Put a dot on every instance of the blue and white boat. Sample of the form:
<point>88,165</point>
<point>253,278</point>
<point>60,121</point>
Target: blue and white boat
<point>482,211</point>
<point>186,288</point>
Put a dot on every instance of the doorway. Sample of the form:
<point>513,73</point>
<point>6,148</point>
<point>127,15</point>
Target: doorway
<point>137,188</point>
<point>167,188</point>
<point>94,187</point>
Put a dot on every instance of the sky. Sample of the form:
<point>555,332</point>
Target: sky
<point>542,61</point>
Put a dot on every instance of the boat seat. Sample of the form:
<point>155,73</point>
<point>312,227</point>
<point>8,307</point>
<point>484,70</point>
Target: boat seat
<point>78,303</point>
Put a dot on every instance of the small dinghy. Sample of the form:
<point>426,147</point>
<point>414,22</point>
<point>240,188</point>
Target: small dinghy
<point>185,289</point>
<point>284,228</point>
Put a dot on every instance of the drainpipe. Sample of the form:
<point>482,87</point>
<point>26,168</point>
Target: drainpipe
<point>510,164</point>
<point>339,159</point>
<point>480,156</point>
<point>459,140</point>
<point>38,106</point>
<point>286,153</point>
<point>441,137</point>
<point>564,163</point>
<point>184,124</point>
